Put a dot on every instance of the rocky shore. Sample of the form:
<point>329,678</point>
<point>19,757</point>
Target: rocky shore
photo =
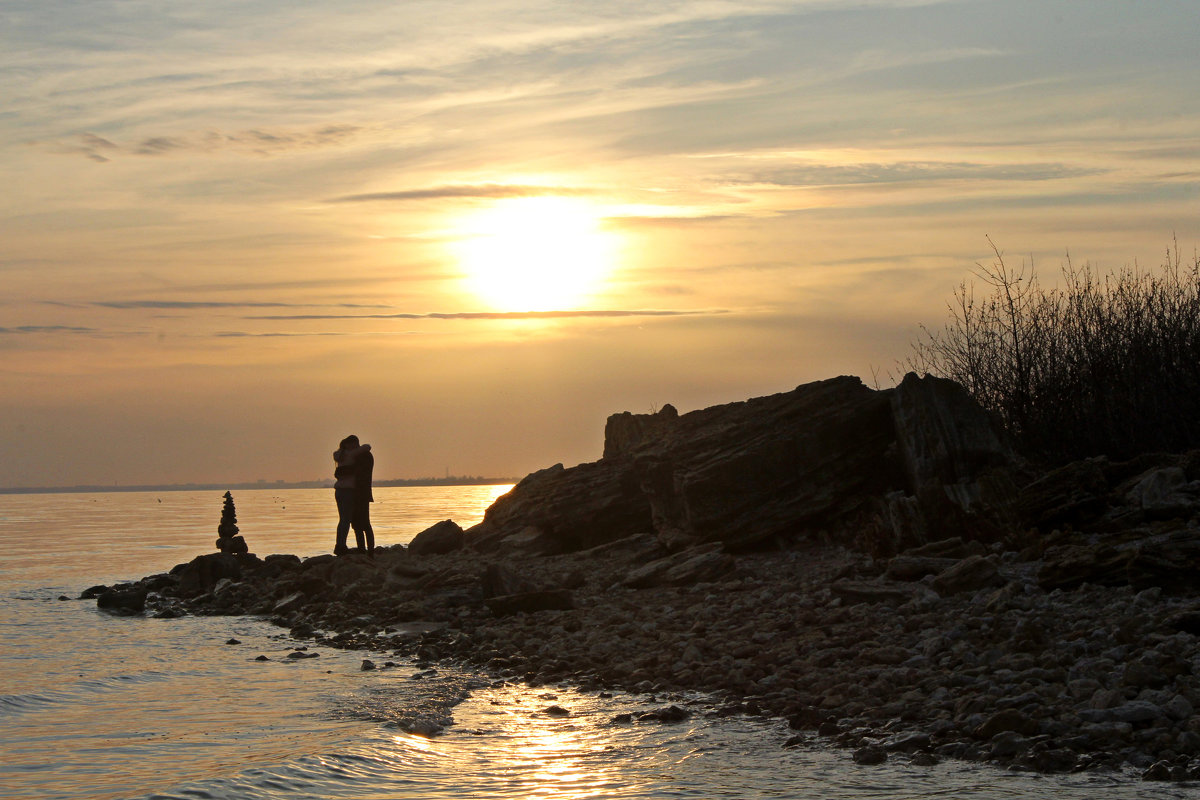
<point>875,566</point>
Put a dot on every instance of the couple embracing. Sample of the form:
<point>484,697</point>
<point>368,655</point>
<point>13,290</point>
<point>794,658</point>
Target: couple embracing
<point>352,492</point>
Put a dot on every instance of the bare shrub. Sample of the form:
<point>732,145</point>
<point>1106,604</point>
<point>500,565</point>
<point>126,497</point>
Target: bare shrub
<point>1103,365</point>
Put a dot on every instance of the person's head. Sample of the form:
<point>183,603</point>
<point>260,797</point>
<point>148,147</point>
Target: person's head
<point>349,443</point>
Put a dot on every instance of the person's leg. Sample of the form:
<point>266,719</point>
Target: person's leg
<point>363,532</point>
<point>368,531</point>
<point>345,507</point>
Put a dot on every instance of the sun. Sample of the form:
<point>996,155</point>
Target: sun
<point>535,253</point>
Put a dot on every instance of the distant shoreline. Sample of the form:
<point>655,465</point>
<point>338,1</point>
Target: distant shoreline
<point>466,480</point>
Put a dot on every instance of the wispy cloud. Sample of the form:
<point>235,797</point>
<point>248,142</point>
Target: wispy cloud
<point>482,190</point>
<point>26,329</point>
<point>916,171</point>
<point>503,315</point>
<point>274,335</point>
<point>203,304</point>
<point>668,220</point>
<point>263,141</point>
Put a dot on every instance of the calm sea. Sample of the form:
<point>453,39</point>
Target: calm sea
<point>96,706</point>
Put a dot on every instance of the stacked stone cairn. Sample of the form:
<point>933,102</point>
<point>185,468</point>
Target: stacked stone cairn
<point>228,540</point>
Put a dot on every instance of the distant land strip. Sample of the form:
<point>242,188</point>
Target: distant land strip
<point>452,480</point>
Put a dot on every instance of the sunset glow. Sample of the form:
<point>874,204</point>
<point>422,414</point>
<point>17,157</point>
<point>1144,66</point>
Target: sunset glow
<point>470,232</point>
<point>535,254</point>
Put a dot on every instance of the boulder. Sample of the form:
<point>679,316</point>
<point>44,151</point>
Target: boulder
<point>870,756</point>
<point>913,568</point>
<point>743,473</point>
<point>1073,494</point>
<point>672,713</point>
<point>202,572</point>
<point>530,602</point>
<point>123,600</point>
<point>971,574</point>
<point>953,547</point>
<point>1134,711</point>
<point>234,545</point>
<point>565,510</point>
<point>288,604</point>
<point>625,432</point>
<point>444,537</point>
<point>699,568</point>
<point>1165,493</point>
<point>943,435</point>
<point>891,469</point>
<point>1009,719</point>
<point>1164,561</point>
<point>685,568</point>
<point>855,592</point>
<point>498,580</point>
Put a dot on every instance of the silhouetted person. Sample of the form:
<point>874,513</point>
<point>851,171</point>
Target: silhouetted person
<point>344,475</point>
<point>364,464</point>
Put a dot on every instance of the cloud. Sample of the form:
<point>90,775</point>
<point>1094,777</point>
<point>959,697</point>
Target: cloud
<point>269,335</point>
<point>669,221</point>
<point>25,329</point>
<point>158,144</point>
<point>914,171</point>
<point>504,315</point>
<point>183,304</point>
<point>204,304</point>
<point>483,190</point>
<point>89,145</point>
<point>261,141</point>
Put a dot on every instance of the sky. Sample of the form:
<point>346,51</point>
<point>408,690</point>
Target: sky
<point>234,231</point>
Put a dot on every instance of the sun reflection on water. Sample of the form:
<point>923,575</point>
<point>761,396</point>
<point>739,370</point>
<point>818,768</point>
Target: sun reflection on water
<point>541,755</point>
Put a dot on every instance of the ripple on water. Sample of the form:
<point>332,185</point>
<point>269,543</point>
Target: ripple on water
<point>504,745</point>
<point>83,691</point>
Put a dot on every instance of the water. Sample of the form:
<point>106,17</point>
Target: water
<point>96,706</point>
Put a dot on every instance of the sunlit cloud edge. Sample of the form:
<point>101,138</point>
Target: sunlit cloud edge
<point>503,315</point>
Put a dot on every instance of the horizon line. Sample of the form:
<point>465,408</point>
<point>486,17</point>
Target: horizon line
<point>324,483</point>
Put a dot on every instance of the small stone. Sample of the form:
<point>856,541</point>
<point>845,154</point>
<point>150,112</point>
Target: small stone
<point>1057,760</point>
<point>1178,708</point>
<point>367,665</point>
<point>1007,744</point>
<point>870,755</point>
<point>669,714</point>
<point>262,658</point>
<point>558,711</point>
<point>907,742</point>
<point>232,641</point>
<point>1158,771</point>
<point>622,719</point>
<point>1009,719</point>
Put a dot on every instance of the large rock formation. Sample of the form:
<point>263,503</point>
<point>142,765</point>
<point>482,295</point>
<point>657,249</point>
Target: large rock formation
<point>1056,632</point>
<point>888,469</point>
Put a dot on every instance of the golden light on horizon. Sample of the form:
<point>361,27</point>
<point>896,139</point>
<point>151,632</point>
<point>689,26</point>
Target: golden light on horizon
<point>535,253</point>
